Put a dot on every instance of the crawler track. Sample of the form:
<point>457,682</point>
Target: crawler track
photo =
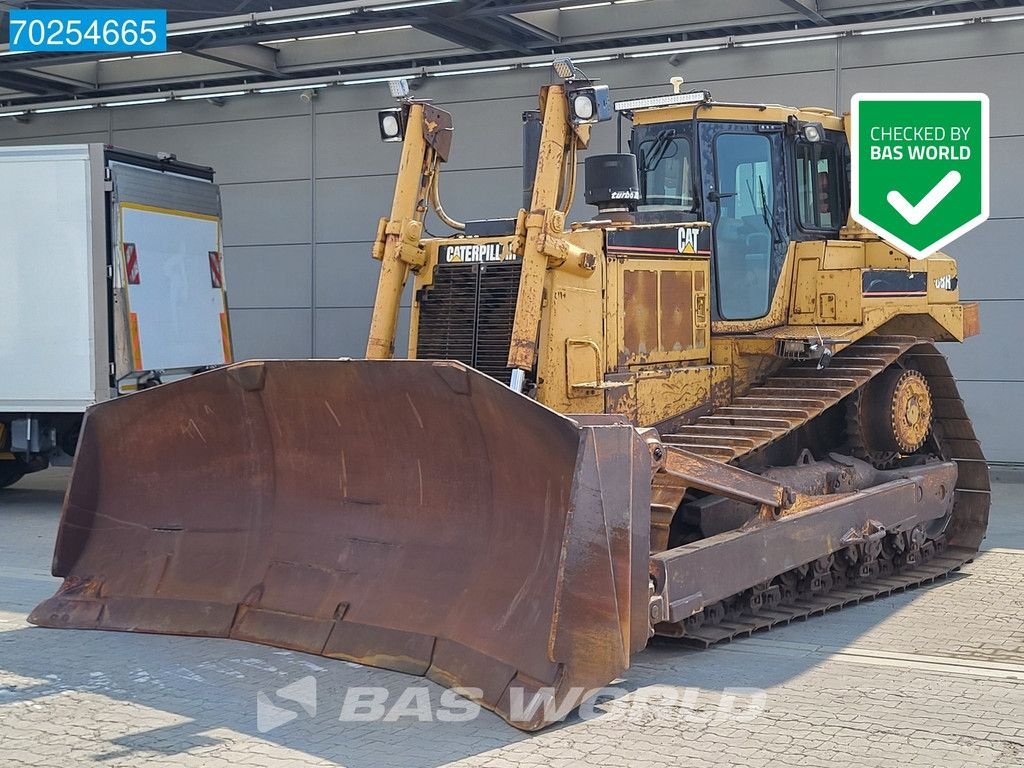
<point>793,398</point>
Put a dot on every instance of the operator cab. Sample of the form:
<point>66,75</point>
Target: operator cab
<point>761,175</point>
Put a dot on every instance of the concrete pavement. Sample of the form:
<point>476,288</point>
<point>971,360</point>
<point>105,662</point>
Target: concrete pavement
<point>931,677</point>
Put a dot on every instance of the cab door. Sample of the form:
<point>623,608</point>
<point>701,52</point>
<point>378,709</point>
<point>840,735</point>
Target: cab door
<point>744,198</point>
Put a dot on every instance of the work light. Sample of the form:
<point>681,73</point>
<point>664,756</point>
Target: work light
<point>812,132</point>
<point>399,88</point>
<point>392,124</point>
<point>589,104</point>
<point>564,68</point>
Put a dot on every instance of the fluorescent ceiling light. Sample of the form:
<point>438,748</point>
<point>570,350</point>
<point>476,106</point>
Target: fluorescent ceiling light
<point>589,60</point>
<point>220,95</point>
<point>135,102</point>
<point>306,17</point>
<point>1016,17</point>
<point>482,70</point>
<point>913,28</point>
<point>784,40</point>
<point>10,53</point>
<point>369,80</point>
<point>69,108</point>
<point>14,114</point>
<point>154,55</point>
<point>680,51</point>
<point>383,29</point>
<point>142,56</point>
<point>204,30</point>
<point>282,88</point>
<point>328,34</point>
<point>412,4</point>
<point>584,5</point>
<point>278,42</point>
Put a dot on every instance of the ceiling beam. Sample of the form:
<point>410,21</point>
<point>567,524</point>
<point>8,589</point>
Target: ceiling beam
<point>254,58</point>
<point>456,33</point>
<point>30,81</point>
<point>532,28</point>
<point>489,33</point>
<point>808,9</point>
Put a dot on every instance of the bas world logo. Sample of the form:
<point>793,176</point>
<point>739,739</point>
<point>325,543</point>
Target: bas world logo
<point>270,716</point>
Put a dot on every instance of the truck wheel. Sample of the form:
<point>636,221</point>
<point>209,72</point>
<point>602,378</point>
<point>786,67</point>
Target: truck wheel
<point>11,472</point>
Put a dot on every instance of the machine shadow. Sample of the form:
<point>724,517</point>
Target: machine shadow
<point>40,500</point>
<point>214,684</point>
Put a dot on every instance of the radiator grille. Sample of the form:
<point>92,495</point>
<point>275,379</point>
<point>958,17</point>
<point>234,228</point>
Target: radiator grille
<point>467,315</point>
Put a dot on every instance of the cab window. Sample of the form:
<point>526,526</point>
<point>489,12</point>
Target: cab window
<point>817,185</point>
<point>744,231</point>
<point>664,166</point>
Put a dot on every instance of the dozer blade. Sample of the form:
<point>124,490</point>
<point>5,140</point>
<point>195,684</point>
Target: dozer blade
<point>410,515</point>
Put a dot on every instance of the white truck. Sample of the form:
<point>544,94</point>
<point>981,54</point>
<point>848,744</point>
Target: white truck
<point>111,280</point>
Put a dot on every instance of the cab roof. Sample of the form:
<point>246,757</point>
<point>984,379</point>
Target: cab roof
<point>718,110</point>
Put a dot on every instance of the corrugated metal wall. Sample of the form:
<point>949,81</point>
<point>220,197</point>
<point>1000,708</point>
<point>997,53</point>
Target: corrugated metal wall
<point>303,183</point>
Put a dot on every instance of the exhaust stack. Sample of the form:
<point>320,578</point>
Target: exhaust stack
<point>532,126</point>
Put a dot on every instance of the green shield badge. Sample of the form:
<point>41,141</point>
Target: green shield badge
<point>919,166</point>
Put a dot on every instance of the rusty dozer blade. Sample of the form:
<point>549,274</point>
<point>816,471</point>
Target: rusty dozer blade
<point>411,515</point>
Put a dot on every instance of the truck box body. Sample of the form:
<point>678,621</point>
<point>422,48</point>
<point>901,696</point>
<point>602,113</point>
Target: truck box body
<point>54,353</point>
<point>111,279</point>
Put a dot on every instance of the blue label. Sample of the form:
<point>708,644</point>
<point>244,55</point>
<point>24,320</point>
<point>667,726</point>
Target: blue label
<point>135,31</point>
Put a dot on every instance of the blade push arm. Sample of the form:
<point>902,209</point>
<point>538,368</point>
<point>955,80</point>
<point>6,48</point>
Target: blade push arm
<point>398,245</point>
<point>544,224</point>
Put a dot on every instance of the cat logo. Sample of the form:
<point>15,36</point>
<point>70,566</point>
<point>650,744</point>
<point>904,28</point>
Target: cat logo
<point>688,239</point>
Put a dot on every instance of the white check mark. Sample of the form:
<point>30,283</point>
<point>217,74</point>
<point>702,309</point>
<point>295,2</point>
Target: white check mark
<point>915,213</point>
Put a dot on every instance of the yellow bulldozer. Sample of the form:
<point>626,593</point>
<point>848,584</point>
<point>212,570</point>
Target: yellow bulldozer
<point>714,407</point>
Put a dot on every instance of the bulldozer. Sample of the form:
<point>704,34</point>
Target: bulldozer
<point>714,407</point>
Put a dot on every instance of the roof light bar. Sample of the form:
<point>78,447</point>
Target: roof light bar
<point>676,99</point>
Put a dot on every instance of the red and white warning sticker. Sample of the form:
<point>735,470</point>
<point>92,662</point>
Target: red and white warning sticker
<point>131,260</point>
<point>216,270</point>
